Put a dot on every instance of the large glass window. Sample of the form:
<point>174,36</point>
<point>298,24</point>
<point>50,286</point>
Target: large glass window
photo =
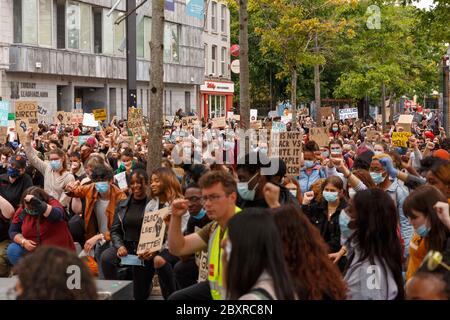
<point>214,16</point>
<point>108,33</point>
<point>30,22</point>
<point>140,39</point>
<point>79,26</point>
<point>223,58</point>
<point>223,17</point>
<point>147,36</point>
<point>171,43</point>
<point>213,59</point>
<point>98,30</point>
<point>119,34</point>
<point>217,105</point>
<point>61,24</point>
<point>17,13</point>
<point>85,31</point>
<point>45,22</point>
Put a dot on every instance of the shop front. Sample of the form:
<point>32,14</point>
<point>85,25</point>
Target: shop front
<point>216,98</point>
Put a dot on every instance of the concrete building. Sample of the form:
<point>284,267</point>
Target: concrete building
<point>217,90</point>
<point>70,54</point>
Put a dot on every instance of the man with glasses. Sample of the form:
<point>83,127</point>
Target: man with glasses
<point>186,271</point>
<point>219,196</point>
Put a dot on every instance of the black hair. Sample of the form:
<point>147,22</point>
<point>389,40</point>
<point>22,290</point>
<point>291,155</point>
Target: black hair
<point>141,174</point>
<point>252,162</point>
<point>102,172</point>
<point>429,162</point>
<point>75,154</point>
<point>376,225</point>
<point>128,152</point>
<point>256,241</point>
<point>311,146</point>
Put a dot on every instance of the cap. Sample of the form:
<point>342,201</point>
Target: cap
<point>18,161</point>
<point>441,153</point>
<point>429,135</point>
<point>91,141</point>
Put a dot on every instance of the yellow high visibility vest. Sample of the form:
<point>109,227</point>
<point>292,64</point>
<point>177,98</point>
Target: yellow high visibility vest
<point>215,262</point>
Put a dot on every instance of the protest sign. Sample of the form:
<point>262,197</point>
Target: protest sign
<point>3,134</point>
<point>253,115</point>
<point>60,117</point>
<point>42,111</point>
<point>99,114</point>
<point>324,113</point>
<point>121,180</point>
<point>288,146</point>
<point>320,136</point>
<point>278,127</point>
<point>189,122</point>
<point>348,113</point>
<point>76,116</point>
<point>272,114</point>
<point>256,125</point>
<point>21,128</point>
<point>237,117</point>
<point>89,120</point>
<point>136,122</point>
<point>4,110</point>
<point>405,121</point>
<point>28,110</point>
<point>230,114</point>
<point>400,139</point>
<point>203,268</point>
<point>219,122</point>
<point>152,231</point>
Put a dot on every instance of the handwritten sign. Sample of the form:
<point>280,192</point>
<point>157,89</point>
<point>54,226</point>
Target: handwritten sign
<point>76,116</point>
<point>348,113</point>
<point>203,267</point>
<point>89,120</point>
<point>121,180</point>
<point>99,114</point>
<point>320,136</point>
<point>325,112</point>
<point>152,231</point>
<point>28,110</point>
<point>253,115</point>
<point>4,110</point>
<point>189,122</point>
<point>288,146</point>
<point>278,127</point>
<point>400,139</point>
<point>219,122</point>
<point>136,122</point>
<point>405,121</point>
<point>256,125</point>
<point>21,128</point>
<point>3,134</point>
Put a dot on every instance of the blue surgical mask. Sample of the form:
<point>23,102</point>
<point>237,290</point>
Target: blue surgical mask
<point>309,163</point>
<point>330,196</point>
<point>336,151</point>
<point>335,129</point>
<point>422,231</point>
<point>102,186</point>
<point>244,192</point>
<point>13,172</point>
<point>200,215</point>
<point>55,165</point>
<point>344,220</point>
<point>325,154</point>
<point>377,152</point>
<point>377,177</point>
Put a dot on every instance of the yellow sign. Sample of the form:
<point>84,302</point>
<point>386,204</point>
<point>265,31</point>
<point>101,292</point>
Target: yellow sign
<point>99,114</point>
<point>400,139</point>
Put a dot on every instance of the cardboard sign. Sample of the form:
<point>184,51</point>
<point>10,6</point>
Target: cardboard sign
<point>60,117</point>
<point>405,121</point>
<point>4,110</point>
<point>303,112</point>
<point>189,122</point>
<point>348,113</point>
<point>89,120</point>
<point>324,112</point>
<point>372,133</point>
<point>76,117</point>
<point>400,139</point>
<point>21,129</point>
<point>203,267</point>
<point>256,125</point>
<point>152,231</point>
<point>100,114</point>
<point>3,135</point>
<point>253,115</point>
<point>219,122</point>
<point>288,146</point>
<point>320,136</point>
<point>28,110</point>
<point>136,122</point>
<point>230,114</point>
<point>121,179</point>
<point>278,127</point>
<point>42,111</point>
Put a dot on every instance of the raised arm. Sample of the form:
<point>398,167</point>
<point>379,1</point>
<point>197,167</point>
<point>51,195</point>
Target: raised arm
<point>32,156</point>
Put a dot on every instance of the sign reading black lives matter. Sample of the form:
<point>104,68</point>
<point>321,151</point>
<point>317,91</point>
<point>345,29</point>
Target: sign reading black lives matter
<point>287,146</point>
<point>152,231</point>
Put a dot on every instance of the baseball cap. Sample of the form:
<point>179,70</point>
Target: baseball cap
<point>441,153</point>
<point>18,161</point>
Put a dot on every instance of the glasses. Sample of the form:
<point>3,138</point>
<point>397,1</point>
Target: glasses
<point>212,198</point>
<point>433,260</point>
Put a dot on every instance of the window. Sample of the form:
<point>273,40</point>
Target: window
<point>223,58</point>
<point>140,39</point>
<point>98,30</point>
<point>29,20</point>
<point>223,17</point>
<point>33,22</point>
<point>171,43</point>
<point>214,16</point>
<point>119,34</point>
<point>206,58</point>
<point>45,22</point>
<point>17,13</point>
<point>187,101</point>
<point>147,37</point>
<point>108,33</point>
<point>217,106</point>
<point>61,24</point>
<point>213,59</point>
<point>79,26</point>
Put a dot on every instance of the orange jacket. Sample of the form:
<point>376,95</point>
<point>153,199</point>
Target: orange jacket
<point>91,195</point>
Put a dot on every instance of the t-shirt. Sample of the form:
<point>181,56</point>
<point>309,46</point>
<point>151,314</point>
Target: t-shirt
<point>13,191</point>
<point>100,214</point>
<point>132,221</point>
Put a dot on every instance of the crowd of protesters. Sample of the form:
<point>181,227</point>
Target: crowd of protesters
<point>363,219</point>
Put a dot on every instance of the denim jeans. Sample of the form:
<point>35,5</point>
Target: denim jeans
<point>98,254</point>
<point>14,253</point>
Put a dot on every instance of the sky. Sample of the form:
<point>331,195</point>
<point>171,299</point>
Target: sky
<point>423,4</point>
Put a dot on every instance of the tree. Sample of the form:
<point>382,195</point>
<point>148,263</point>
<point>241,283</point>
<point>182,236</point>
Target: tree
<point>156,87</point>
<point>244,90</point>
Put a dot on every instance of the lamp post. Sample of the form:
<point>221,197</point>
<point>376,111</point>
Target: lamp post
<point>445,92</point>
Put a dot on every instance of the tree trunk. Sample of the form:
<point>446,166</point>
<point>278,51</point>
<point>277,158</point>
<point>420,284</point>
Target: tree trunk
<point>244,85</point>
<point>316,79</point>
<point>156,87</point>
<point>294,97</point>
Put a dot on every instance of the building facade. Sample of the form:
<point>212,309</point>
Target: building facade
<point>217,89</point>
<point>69,54</point>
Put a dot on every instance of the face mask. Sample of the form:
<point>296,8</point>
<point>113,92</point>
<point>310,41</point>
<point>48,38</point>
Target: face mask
<point>422,231</point>
<point>200,215</point>
<point>31,212</point>
<point>336,151</point>
<point>102,186</point>
<point>351,193</point>
<point>335,129</point>
<point>293,192</point>
<point>377,152</point>
<point>344,220</point>
<point>55,165</point>
<point>309,163</point>
<point>325,154</point>
<point>377,177</point>
<point>244,192</point>
<point>330,196</point>
<point>13,172</point>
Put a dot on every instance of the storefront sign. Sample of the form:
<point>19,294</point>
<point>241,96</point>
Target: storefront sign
<point>26,90</point>
<point>217,86</point>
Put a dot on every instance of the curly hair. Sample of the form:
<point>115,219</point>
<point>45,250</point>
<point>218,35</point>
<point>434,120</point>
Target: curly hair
<point>44,275</point>
<point>315,276</point>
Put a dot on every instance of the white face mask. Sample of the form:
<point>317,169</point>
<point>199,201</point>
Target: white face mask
<point>293,192</point>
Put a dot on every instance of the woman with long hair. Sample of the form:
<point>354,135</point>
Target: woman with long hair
<point>314,276</point>
<point>439,176</point>
<point>374,269</point>
<point>254,267</point>
<point>164,188</point>
<point>430,232</point>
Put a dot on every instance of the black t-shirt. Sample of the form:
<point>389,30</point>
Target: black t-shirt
<point>13,191</point>
<point>132,221</point>
<point>192,223</point>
